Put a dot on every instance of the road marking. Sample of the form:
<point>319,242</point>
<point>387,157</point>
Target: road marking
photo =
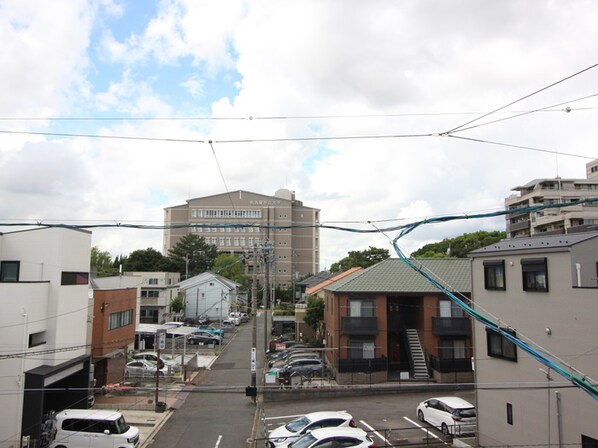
<point>425,429</point>
<point>218,441</point>
<point>386,442</point>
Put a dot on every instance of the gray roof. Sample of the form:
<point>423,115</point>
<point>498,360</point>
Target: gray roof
<point>393,275</point>
<point>315,279</point>
<point>535,243</point>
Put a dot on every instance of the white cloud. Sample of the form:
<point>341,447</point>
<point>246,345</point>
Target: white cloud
<point>294,58</point>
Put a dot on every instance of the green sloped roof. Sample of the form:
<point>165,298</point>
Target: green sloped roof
<point>393,275</point>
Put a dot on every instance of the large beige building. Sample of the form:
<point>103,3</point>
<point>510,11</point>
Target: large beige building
<point>575,218</point>
<point>238,221</point>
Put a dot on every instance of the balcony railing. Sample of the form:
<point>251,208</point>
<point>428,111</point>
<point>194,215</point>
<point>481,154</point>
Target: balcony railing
<point>451,326</point>
<point>362,365</point>
<point>359,325</point>
<point>446,365</point>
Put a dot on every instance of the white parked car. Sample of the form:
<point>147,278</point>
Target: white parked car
<point>452,415</point>
<point>143,368</point>
<point>334,437</point>
<point>284,435</point>
<point>165,360</point>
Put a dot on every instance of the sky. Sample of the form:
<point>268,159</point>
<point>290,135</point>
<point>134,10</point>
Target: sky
<point>108,107</point>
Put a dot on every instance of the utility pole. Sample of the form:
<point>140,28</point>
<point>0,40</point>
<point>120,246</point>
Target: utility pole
<point>266,291</point>
<point>254,317</point>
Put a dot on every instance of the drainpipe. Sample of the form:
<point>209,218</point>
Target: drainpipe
<point>578,270</point>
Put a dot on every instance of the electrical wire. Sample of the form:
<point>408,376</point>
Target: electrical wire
<point>523,98</point>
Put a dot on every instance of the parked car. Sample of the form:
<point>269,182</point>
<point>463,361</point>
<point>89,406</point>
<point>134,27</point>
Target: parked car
<point>203,339</point>
<point>235,318</point>
<point>206,333</point>
<point>286,434</point>
<point>284,354</point>
<point>334,437</point>
<point>244,317</point>
<point>306,367</point>
<point>143,368</point>
<point>284,361</point>
<point>172,364</point>
<point>211,329</point>
<point>227,323</point>
<point>452,415</point>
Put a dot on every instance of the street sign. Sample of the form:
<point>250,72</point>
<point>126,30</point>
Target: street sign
<point>253,359</point>
<point>161,335</point>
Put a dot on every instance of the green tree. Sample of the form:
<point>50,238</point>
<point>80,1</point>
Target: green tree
<point>460,246</point>
<point>363,258</point>
<point>314,313</point>
<point>101,262</point>
<point>231,267</point>
<point>143,260</point>
<point>192,255</point>
<point>177,305</point>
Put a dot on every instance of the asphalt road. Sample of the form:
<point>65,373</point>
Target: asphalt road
<point>217,413</point>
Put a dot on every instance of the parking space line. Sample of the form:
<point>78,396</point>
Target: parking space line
<point>423,428</point>
<point>375,432</point>
<point>218,441</point>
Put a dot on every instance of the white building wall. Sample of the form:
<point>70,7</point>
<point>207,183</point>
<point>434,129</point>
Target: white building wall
<point>29,307</point>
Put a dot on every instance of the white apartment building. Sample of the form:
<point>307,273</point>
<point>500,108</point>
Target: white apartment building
<point>575,218</point>
<point>238,221</point>
<point>44,327</point>
<point>157,291</point>
<point>544,290</point>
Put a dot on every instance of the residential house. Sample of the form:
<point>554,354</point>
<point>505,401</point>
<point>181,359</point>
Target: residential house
<point>158,290</point>
<point>544,290</point>
<point>211,296</point>
<point>302,285</point>
<point>238,221</point>
<point>387,322</point>
<point>113,334</point>
<point>563,220</point>
<point>44,328</point>
<point>316,289</point>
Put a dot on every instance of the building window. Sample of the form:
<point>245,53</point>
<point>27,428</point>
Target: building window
<point>509,413</point>
<point>75,278</point>
<point>36,339</point>
<point>153,281</point>
<point>535,274</point>
<point>588,442</point>
<point>499,346</point>
<point>193,213</point>
<point>361,308</point>
<point>494,274</point>
<point>361,348</point>
<point>9,271</point>
<point>446,308</point>
<point>120,319</point>
<point>150,293</point>
<point>452,349</point>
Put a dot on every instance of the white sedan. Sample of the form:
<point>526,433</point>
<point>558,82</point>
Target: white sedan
<point>334,437</point>
<point>143,368</point>
<point>284,435</point>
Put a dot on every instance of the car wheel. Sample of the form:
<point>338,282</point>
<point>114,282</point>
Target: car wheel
<point>445,429</point>
<point>420,416</point>
<point>191,342</point>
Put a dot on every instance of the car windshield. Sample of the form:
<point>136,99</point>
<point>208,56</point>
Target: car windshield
<point>303,442</point>
<point>121,426</point>
<point>465,413</point>
<point>297,424</point>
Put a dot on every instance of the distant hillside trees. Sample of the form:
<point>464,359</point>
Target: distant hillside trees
<point>460,246</point>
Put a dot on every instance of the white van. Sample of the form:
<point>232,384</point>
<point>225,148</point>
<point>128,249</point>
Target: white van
<point>77,428</point>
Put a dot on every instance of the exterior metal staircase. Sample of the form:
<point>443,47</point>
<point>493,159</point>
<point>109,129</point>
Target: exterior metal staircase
<point>420,368</point>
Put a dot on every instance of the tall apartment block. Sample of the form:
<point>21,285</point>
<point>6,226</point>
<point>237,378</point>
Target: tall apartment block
<point>280,222</point>
<point>563,220</point>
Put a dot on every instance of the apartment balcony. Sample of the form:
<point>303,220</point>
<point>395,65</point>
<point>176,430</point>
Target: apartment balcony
<point>451,326</point>
<point>154,301</point>
<point>518,226</point>
<point>359,326</point>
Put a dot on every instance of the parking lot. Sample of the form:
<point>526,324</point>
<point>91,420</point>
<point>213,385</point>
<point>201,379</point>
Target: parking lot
<point>390,419</point>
